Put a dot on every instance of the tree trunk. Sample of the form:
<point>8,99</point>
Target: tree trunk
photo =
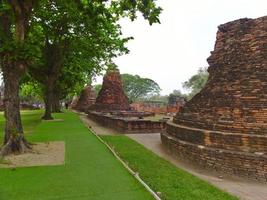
<point>14,141</point>
<point>56,108</point>
<point>48,102</point>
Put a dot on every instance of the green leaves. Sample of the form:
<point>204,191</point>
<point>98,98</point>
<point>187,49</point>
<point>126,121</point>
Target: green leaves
<point>129,8</point>
<point>4,7</point>
<point>74,39</point>
<point>196,82</point>
<point>136,87</point>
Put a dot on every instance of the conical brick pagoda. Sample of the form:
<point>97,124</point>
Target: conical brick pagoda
<point>224,127</point>
<point>111,96</point>
<point>112,109</point>
<point>87,98</point>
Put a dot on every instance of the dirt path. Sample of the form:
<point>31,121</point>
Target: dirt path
<point>244,189</point>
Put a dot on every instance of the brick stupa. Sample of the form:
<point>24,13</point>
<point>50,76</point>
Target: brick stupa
<point>86,99</point>
<point>111,96</point>
<point>224,127</point>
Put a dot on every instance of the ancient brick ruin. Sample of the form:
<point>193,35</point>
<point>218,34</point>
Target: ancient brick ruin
<point>160,107</point>
<point>157,107</point>
<point>224,127</point>
<point>175,103</point>
<point>86,99</point>
<point>112,109</point>
<point>111,96</point>
<point>127,124</point>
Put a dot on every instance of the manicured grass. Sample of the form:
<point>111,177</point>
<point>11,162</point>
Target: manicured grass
<point>90,172</point>
<point>162,176</point>
<point>30,120</point>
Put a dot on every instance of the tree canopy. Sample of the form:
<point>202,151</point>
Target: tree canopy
<point>196,82</point>
<point>62,44</point>
<point>137,87</point>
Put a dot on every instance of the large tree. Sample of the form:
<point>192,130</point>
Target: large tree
<point>85,36</point>
<point>21,26</point>
<point>14,55</point>
<point>137,87</point>
<point>94,23</point>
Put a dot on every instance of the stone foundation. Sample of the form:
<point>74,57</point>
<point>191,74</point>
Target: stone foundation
<point>240,164</point>
<point>127,125</point>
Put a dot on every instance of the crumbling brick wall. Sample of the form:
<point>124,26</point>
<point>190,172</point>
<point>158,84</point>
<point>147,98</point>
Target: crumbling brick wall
<point>224,127</point>
<point>235,96</point>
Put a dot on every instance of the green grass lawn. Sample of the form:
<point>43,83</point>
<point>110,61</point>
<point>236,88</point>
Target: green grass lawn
<point>90,172</point>
<point>162,176</point>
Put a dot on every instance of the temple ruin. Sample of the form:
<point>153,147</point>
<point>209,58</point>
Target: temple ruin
<point>224,127</point>
<point>86,99</point>
<point>170,108</point>
<point>111,97</point>
<point>112,109</point>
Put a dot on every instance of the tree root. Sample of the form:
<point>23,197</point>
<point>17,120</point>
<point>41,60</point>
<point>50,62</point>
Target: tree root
<point>47,118</point>
<point>15,145</point>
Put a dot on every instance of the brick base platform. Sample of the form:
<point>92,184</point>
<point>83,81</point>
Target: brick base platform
<point>235,154</point>
<point>127,125</point>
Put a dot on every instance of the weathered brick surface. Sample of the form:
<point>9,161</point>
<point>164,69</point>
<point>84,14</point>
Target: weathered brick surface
<point>224,127</point>
<point>247,165</point>
<point>219,139</point>
<point>112,109</point>
<point>172,107</point>
<point>235,97</point>
<point>86,99</point>
<point>127,125</point>
<point>111,96</point>
<point>132,113</point>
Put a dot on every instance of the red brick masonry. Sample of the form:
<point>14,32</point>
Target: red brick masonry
<point>111,95</point>
<point>224,127</point>
<point>241,164</point>
<point>87,98</point>
<point>127,125</point>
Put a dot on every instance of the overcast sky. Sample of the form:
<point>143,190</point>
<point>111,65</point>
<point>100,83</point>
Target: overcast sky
<point>171,52</point>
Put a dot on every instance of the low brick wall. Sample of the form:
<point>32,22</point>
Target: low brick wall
<point>237,163</point>
<point>128,125</point>
<point>217,139</point>
<point>241,164</point>
<point>132,114</point>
